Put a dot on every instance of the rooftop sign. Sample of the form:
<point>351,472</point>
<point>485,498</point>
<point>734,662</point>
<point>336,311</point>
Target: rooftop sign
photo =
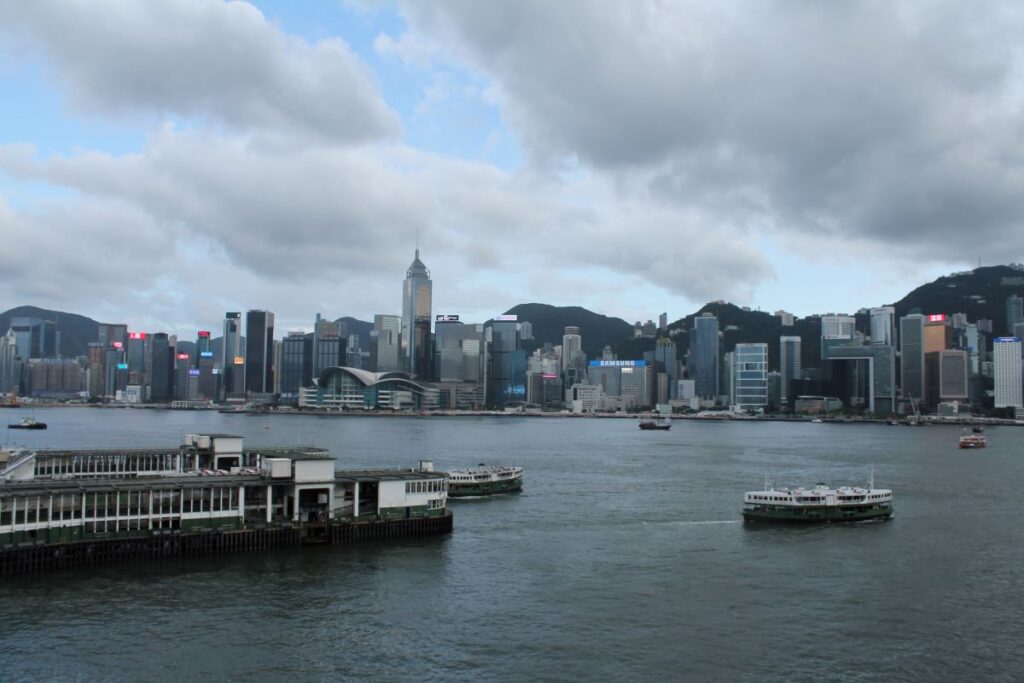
<point>446,318</point>
<point>618,363</point>
<point>505,318</point>
<point>936,317</point>
<point>1006,339</point>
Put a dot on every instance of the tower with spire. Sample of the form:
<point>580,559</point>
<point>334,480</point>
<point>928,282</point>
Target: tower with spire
<point>417,294</point>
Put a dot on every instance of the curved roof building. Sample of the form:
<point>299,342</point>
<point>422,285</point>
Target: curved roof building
<point>357,389</point>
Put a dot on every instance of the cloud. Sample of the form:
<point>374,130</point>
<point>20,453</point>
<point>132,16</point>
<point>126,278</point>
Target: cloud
<point>313,220</point>
<point>893,122</point>
<point>213,61</point>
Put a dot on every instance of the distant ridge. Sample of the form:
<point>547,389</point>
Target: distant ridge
<point>76,331</point>
<point>549,323</point>
<point>980,293</point>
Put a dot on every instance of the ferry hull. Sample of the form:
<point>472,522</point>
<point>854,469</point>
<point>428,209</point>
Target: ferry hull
<point>484,488</point>
<point>817,514</point>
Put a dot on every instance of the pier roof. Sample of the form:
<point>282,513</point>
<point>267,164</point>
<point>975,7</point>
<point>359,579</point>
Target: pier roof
<point>385,475</point>
<point>48,486</point>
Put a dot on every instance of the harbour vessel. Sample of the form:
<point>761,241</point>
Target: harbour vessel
<point>484,480</point>
<point>27,423</point>
<point>820,504</point>
<point>972,440</point>
<point>651,423</point>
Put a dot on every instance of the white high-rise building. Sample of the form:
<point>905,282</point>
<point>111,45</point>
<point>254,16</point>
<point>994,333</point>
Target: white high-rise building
<point>838,326</point>
<point>750,377</point>
<point>883,325</point>
<point>1009,376</point>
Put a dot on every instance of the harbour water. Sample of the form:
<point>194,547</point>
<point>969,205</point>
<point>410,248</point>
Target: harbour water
<point>623,558</point>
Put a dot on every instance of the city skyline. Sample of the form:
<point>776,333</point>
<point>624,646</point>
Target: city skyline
<point>303,168</point>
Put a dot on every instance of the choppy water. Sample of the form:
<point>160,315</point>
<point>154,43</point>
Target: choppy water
<point>622,559</point>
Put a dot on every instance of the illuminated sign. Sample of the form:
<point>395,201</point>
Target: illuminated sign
<point>548,375</point>
<point>122,366</point>
<point>204,334</point>
<point>618,363</point>
<point>193,372</point>
<point>206,354</point>
<point>505,318</point>
<point>136,335</point>
<point>446,318</point>
<point>1004,340</point>
<point>937,318</point>
<point>183,356</point>
<point>239,360</point>
<point>116,345</point>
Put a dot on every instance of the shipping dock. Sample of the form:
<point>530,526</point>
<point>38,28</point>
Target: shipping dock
<point>67,508</point>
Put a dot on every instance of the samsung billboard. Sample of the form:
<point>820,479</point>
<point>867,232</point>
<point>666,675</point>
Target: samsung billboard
<point>618,363</point>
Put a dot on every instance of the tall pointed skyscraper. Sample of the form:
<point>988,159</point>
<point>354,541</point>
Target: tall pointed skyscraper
<point>416,304</point>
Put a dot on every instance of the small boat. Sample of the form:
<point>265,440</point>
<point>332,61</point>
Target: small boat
<point>27,423</point>
<point>820,504</point>
<point>978,429</point>
<point>651,423</point>
<point>972,440</point>
<point>484,480</point>
<point>817,421</point>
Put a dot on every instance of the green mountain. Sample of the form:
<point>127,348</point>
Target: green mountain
<point>549,323</point>
<point>76,331</point>
<point>980,293</point>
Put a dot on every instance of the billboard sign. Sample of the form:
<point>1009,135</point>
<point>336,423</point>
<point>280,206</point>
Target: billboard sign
<point>122,366</point>
<point>505,318</point>
<point>446,318</point>
<point>136,335</point>
<point>204,334</point>
<point>239,360</point>
<point>618,363</point>
<point>193,372</point>
<point>183,356</point>
<point>936,317</point>
<point>206,354</point>
<point>1002,340</point>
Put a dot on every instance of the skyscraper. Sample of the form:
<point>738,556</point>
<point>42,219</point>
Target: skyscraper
<point>572,344</point>
<point>508,364</point>
<point>1009,380</point>
<point>35,337</point>
<point>789,365</point>
<point>703,360</point>
<point>1014,312</point>
<point>385,347</point>
<point>8,354</point>
<point>912,357</point>
<point>666,362</point>
<point>259,352</point>
<point>883,325</point>
<point>328,345</point>
<point>296,364</point>
<point>231,351</point>
<point>417,292</point>
<point>160,382</point>
<point>750,376</point>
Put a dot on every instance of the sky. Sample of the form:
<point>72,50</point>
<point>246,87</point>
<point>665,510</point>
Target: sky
<point>163,162</point>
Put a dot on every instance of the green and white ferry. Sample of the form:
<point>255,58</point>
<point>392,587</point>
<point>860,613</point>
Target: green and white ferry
<point>820,504</point>
<point>484,480</point>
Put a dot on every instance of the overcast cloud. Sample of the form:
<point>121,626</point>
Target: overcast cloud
<point>667,147</point>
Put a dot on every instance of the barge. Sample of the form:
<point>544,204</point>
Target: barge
<point>211,494</point>
<point>820,504</point>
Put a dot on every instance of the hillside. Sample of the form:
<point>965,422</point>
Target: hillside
<point>360,327</point>
<point>76,331</point>
<point>549,323</point>
<point>980,293</point>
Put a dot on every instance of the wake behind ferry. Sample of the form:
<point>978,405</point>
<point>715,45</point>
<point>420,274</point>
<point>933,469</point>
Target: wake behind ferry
<point>818,505</point>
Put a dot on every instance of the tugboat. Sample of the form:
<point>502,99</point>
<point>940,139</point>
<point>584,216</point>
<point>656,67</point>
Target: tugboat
<point>818,505</point>
<point>651,423</point>
<point>27,423</point>
<point>484,480</point>
<point>972,440</point>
